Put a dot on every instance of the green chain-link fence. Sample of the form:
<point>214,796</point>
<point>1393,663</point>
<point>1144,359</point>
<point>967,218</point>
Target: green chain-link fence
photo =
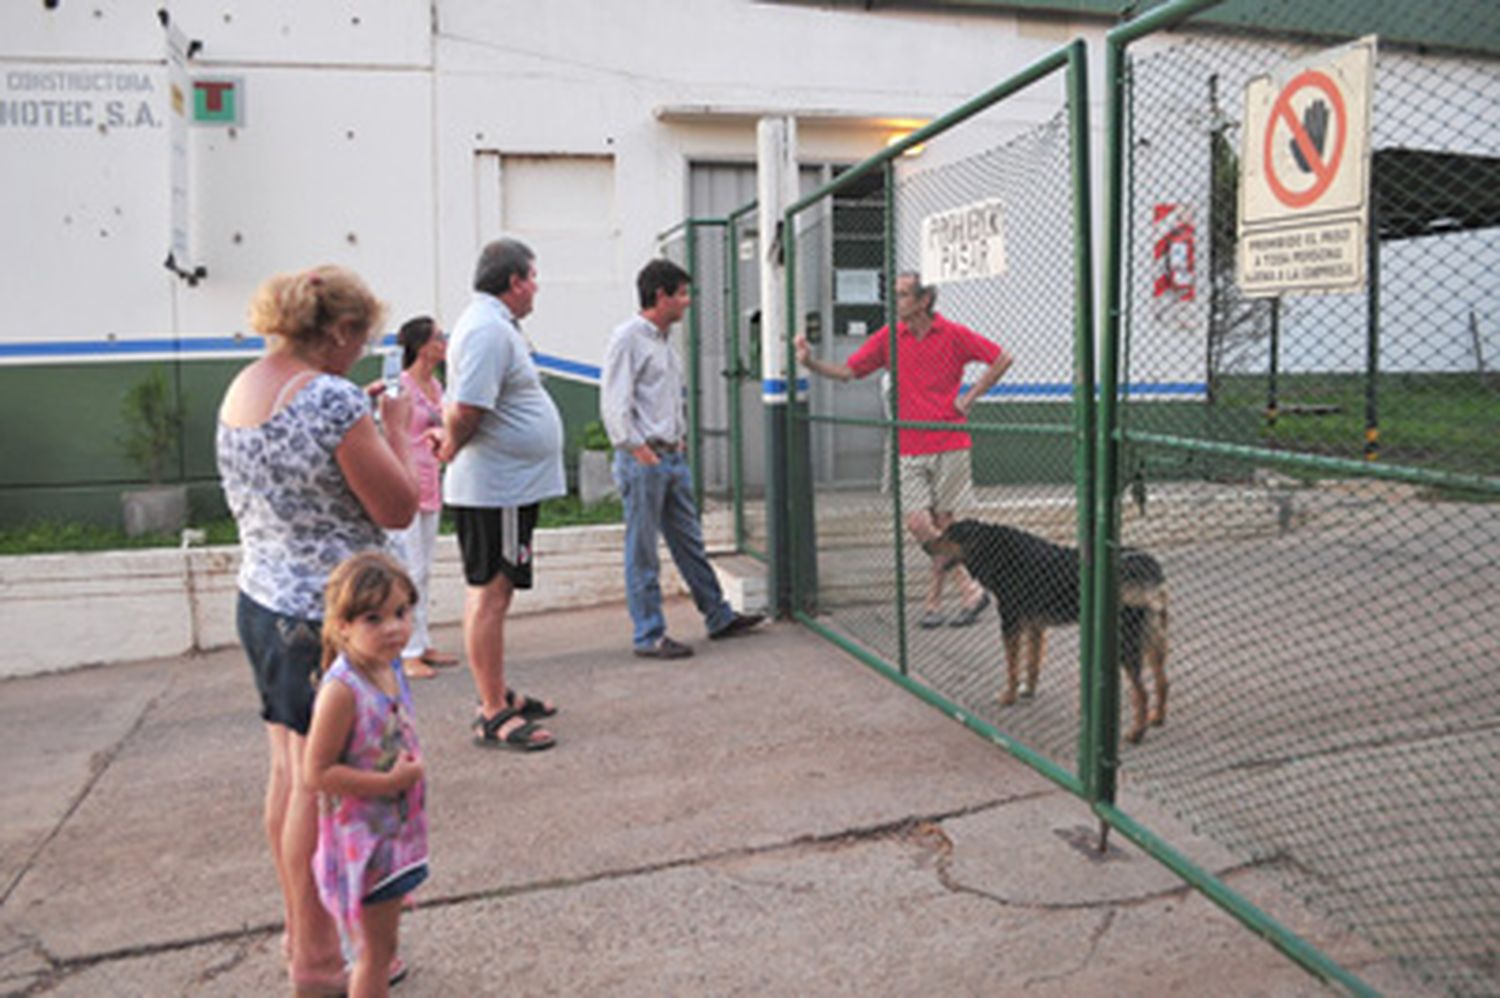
<point>721,352</point>
<point>997,210</point>
<point>742,338</point>
<point>697,245</point>
<point>1316,472</point>
<point>1318,475</point>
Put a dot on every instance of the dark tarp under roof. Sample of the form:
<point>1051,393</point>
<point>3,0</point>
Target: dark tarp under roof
<point>1421,193</point>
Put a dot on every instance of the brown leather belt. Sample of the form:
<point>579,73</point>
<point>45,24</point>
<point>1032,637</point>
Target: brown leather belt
<point>664,446</point>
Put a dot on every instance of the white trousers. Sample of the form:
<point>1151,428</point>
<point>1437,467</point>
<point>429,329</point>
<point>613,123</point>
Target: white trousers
<point>417,543</point>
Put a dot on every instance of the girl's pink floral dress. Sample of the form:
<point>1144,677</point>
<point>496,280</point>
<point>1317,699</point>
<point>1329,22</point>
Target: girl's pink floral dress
<point>367,842</point>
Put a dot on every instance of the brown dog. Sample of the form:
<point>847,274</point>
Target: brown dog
<point>1035,584</point>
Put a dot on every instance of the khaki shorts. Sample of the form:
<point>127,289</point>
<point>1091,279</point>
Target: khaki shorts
<point>939,482</point>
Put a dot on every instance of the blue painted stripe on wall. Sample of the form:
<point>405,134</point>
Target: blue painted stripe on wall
<point>562,365</point>
<point>117,348</point>
<point>770,387</point>
<point>160,344</point>
<point>1061,389</point>
<point>1166,388</point>
<point>777,386</point>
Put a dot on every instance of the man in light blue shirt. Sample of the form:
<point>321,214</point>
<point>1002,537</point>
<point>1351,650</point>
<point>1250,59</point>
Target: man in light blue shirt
<point>502,441</point>
<point>640,401</point>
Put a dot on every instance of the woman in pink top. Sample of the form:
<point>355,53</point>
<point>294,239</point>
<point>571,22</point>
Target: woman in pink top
<point>423,346</point>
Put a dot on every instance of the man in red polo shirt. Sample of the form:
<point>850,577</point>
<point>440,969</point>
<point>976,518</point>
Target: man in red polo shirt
<point>935,478</point>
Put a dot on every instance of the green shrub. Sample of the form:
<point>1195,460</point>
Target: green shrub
<point>594,437</point>
<point>152,418</point>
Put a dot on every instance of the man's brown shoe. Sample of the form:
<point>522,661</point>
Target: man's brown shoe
<point>738,624</point>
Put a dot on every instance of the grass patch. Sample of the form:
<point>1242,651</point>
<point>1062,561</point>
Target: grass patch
<point>50,537</point>
<point>564,511</point>
<point>569,511</point>
<point>1445,421</point>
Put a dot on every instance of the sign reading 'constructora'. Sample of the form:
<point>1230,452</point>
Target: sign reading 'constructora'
<point>78,98</point>
<point>963,244</point>
<point>82,98</point>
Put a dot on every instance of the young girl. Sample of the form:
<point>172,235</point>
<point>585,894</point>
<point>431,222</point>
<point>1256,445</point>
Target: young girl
<point>364,760</point>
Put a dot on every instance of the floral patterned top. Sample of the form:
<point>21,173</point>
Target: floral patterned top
<point>297,516</point>
<point>365,843</point>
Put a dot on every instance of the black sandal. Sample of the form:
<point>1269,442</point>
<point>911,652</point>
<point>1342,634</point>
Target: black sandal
<point>528,707</point>
<point>487,733</point>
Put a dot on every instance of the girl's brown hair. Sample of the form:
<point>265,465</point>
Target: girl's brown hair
<point>361,583</point>
<point>303,308</point>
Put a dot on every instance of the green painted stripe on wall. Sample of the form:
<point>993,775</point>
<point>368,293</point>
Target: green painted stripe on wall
<point>61,456</point>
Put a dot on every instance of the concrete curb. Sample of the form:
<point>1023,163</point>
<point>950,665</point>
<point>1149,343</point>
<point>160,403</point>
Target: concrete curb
<point>63,611</point>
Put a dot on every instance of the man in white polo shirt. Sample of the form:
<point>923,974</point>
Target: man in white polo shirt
<point>502,441</point>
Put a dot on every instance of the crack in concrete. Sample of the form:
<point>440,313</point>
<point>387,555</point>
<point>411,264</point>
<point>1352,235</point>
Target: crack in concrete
<point>61,969</point>
<point>99,764</point>
<point>1106,921</point>
<point>924,830</point>
<point>930,835</point>
<point>233,960</point>
<point>27,943</point>
<point>899,827</point>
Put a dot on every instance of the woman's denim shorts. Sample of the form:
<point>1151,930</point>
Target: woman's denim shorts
<point>286,655</point>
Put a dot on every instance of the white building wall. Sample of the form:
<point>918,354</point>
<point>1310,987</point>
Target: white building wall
<point>363,121</point>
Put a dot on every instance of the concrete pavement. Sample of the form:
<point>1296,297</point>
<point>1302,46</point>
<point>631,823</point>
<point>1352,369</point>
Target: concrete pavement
<point>769,816</point>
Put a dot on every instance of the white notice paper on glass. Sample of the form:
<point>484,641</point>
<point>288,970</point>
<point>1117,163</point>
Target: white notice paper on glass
<point>856,287</point>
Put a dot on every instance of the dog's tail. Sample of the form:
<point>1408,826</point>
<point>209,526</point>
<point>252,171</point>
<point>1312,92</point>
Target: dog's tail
<point>1148,596</point>
<point>1143,588</point>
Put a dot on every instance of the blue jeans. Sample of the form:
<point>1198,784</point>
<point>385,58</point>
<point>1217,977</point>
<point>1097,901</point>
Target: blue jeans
<point>659,502</point>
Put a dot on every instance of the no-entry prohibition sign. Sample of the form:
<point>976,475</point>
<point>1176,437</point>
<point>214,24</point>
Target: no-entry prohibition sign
<point>1317,155</point>
<point>1304,174</point>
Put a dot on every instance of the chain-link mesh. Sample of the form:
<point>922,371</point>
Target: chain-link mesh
<point>1023,457</point>
<point>1334,631</point>
<point>721,351</point>
<point>930,619</point>
<point>747,453</point>
<point>697,245</point>
<point>1315,474</point>
<point>708,323</point>
<point>840,290</point>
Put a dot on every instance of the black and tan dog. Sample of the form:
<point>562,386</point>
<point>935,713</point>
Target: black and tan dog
<point>1035,583</point>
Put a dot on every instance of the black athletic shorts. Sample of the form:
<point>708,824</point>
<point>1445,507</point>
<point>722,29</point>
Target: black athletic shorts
<point>494,540</point>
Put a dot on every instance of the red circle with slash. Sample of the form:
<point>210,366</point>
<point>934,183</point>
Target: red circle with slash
<point>1323,170</point>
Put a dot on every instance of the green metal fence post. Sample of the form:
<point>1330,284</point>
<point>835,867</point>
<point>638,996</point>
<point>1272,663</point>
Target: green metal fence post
<point>695,375</point>
<point>1372,340</point>
<point>1273,401</point>
<point>802,542</point>
<point>775,141</point>
<point>1099,778</point>
<point>1083,384</point>
<point>734,371</point>
<point>897,515</point>
<point>789,362</point>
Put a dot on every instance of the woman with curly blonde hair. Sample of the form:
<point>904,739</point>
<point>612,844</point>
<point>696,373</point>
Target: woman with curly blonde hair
<point>310,479</point>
